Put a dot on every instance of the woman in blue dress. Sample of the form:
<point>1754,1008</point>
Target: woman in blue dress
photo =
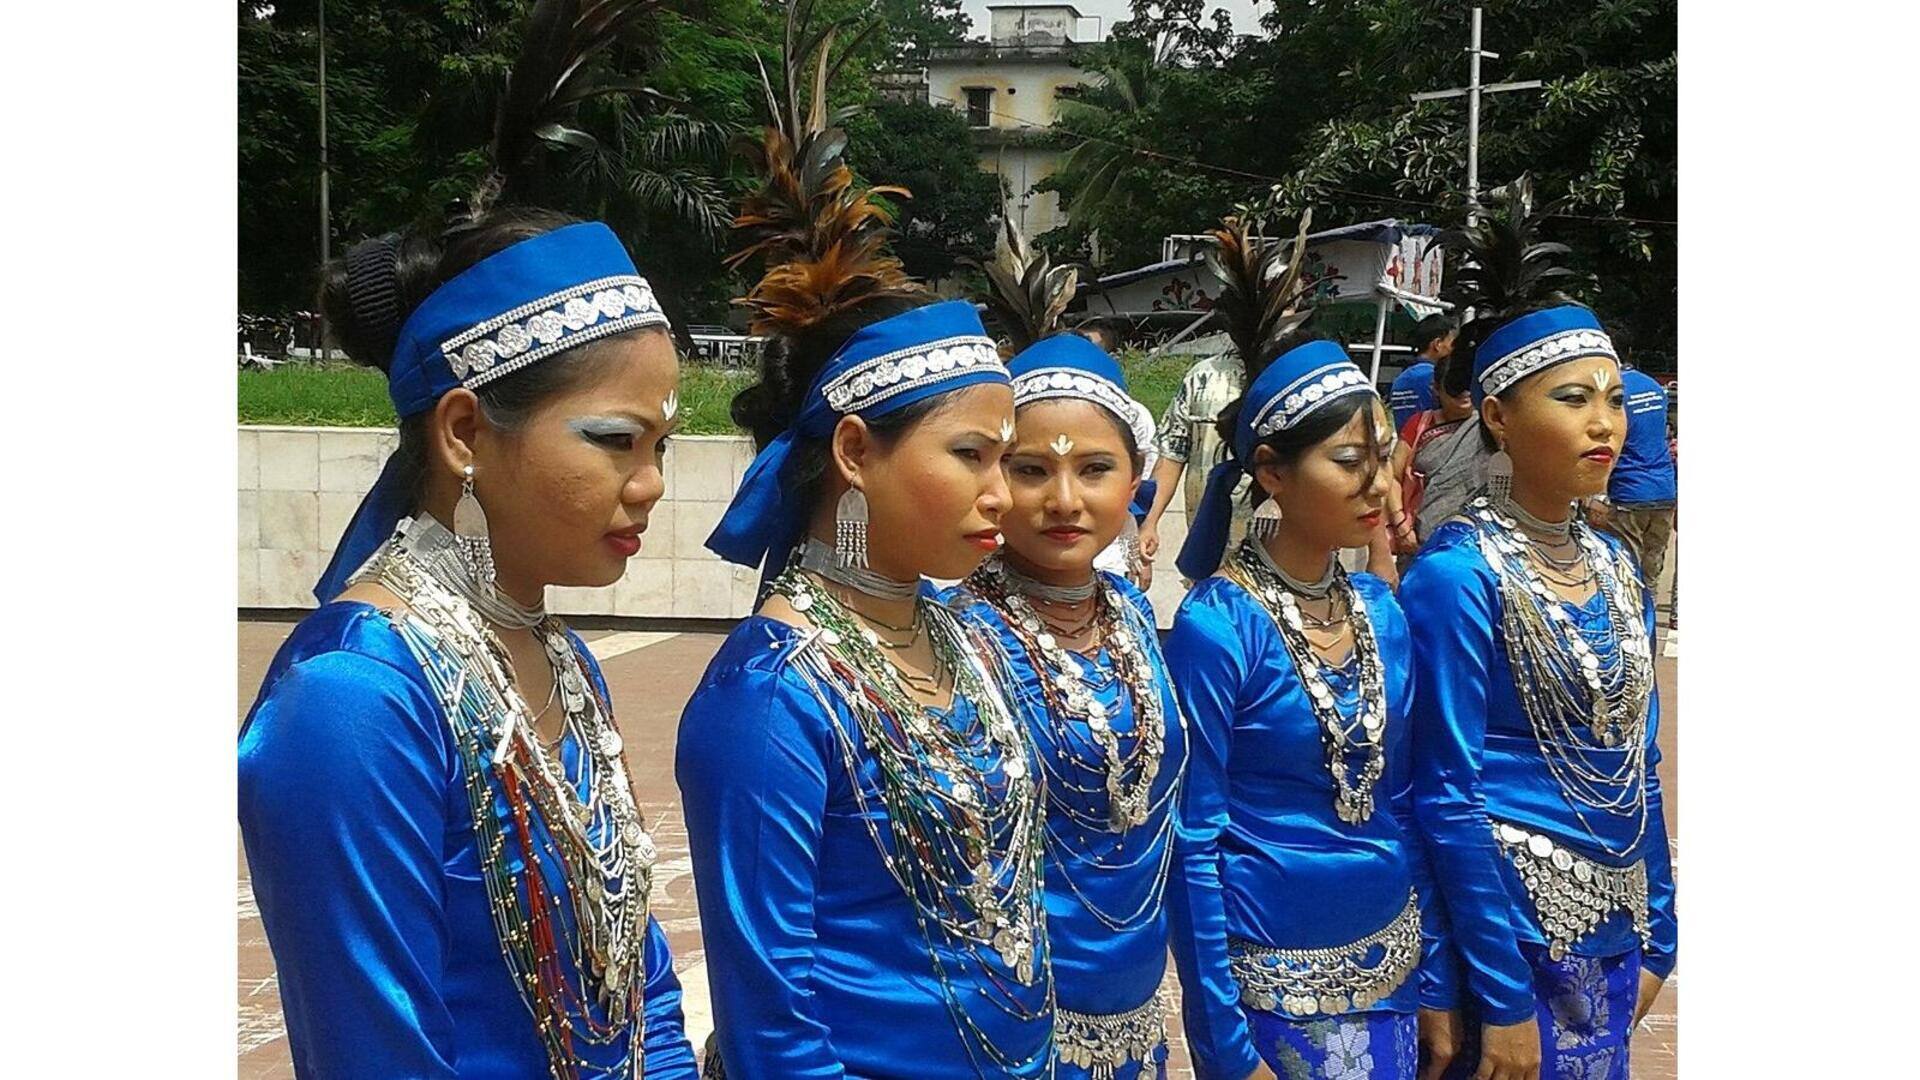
<point>1299,883</point>
<point>1092,691</point>
<point>1535,716</point>
<point>862,807</point>
<point>443,838</point>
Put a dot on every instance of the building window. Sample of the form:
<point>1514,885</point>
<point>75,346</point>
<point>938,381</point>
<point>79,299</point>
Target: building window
<point>980,106</point>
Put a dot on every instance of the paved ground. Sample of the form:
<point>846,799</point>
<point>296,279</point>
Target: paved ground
<point>651,675</point>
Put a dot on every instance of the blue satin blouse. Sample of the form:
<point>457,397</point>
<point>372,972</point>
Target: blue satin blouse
<point>1098,970</point>
<point>354,811</point>
<point>1476,761</point>
<point>1261,854</point>
<point>820,962</point>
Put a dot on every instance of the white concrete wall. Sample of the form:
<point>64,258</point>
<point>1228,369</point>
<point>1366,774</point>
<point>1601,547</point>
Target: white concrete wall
<point>299,487</point>
<point>1025,97</point>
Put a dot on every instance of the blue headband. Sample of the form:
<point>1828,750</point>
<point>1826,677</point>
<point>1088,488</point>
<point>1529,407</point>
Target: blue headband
<point>1301,382</point>
<point>1070,366</point>
<point>542,296</point>
<point>1534,342</point>
<point>883,367</point>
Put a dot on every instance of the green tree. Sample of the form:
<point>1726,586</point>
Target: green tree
<point>912,26</point>
<point>1314,111</point>
<point>928,150</point>
<point>1602,133</point>
<point>411,95</point>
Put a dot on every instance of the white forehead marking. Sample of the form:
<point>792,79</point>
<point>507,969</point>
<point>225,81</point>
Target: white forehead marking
<point>1601,377</point>
<point>1006,430</point>
<point>1061,445</point>
<point>671,405</point>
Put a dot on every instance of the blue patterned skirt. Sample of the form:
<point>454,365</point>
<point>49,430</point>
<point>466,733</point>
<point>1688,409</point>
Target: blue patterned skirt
<point>1585,1008</point>
<point>1354,1046</point>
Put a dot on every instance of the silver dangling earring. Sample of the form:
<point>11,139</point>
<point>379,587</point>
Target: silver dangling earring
<point>850,530</point>
<point>1500,479</point>
<point>470,532</point>
<point>1266,520</point>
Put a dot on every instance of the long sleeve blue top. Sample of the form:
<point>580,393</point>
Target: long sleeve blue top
<point>359,839</point>
<point>821,964</point>
<point>1098,970</point>
<point>1262,855</point>
<point>1476,761</point>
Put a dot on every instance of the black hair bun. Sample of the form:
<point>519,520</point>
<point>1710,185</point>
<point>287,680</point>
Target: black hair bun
<point>368,293</point>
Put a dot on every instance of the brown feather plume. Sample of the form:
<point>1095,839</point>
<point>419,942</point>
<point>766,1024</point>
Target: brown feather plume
<point>821,237</point>
<point>1262,293</point>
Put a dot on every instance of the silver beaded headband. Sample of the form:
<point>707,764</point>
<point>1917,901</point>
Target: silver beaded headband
<point>1307,394</point>
<point>1043,384</point>
<point>875,380</point>
<point>555,323</point>
<point>1572,344</point>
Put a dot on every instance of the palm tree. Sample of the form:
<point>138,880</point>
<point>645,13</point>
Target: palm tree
<point>1099,118</point>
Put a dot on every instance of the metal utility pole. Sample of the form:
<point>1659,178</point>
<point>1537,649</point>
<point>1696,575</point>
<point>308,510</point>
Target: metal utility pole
<point>1472,92</point>
<point>326,218</point>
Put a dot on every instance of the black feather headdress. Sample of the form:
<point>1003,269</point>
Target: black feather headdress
<point>1505,270</point>
<point>554,73</point>
<point>1263,294</point>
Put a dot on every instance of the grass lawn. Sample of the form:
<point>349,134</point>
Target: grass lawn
<point>344,395</point>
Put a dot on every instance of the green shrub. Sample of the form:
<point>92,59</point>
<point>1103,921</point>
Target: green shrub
<point>344,395</point>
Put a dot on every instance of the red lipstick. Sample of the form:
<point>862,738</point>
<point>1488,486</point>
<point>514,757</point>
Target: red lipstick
<point>625,542</point>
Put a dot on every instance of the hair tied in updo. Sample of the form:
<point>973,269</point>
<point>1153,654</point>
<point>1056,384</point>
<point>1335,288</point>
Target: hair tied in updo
<point>373,287</point>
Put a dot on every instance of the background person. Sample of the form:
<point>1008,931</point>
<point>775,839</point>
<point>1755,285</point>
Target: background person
<point>1414,457</point>
<point>1639,505</point>
<point>1413,389</point>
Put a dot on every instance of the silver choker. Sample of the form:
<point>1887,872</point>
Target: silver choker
<point>1312,590</point>
<point>816,557</point>
<point>1555,531</point>
<point>435,548</point>
<point>1045,593</point>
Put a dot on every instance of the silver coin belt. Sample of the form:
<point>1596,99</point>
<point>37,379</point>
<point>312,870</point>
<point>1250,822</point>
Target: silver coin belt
<point>1572,894</point>
<point>1102,1044</point>
<point>1308,982</point>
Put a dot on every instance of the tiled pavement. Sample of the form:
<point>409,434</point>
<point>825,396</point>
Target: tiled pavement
<point>651,676</point>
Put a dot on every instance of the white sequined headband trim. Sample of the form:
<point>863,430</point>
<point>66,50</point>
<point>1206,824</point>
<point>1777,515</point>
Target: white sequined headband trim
<point>555,323</point>
<point>1305,395</point>
<point>875,380</point>
<point>1565,345</point>
<point>1043,384</point>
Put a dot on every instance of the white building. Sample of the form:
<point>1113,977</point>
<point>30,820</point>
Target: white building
<point>1009,86</point>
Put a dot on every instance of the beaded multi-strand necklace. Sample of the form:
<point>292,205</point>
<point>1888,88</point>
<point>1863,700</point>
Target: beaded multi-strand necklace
<point>961,802</point>
<point>582,978</point>
<point>1584,690</point>
<point>1099,778</point>
<point>1345,738</point>
<point>1127,776</point>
